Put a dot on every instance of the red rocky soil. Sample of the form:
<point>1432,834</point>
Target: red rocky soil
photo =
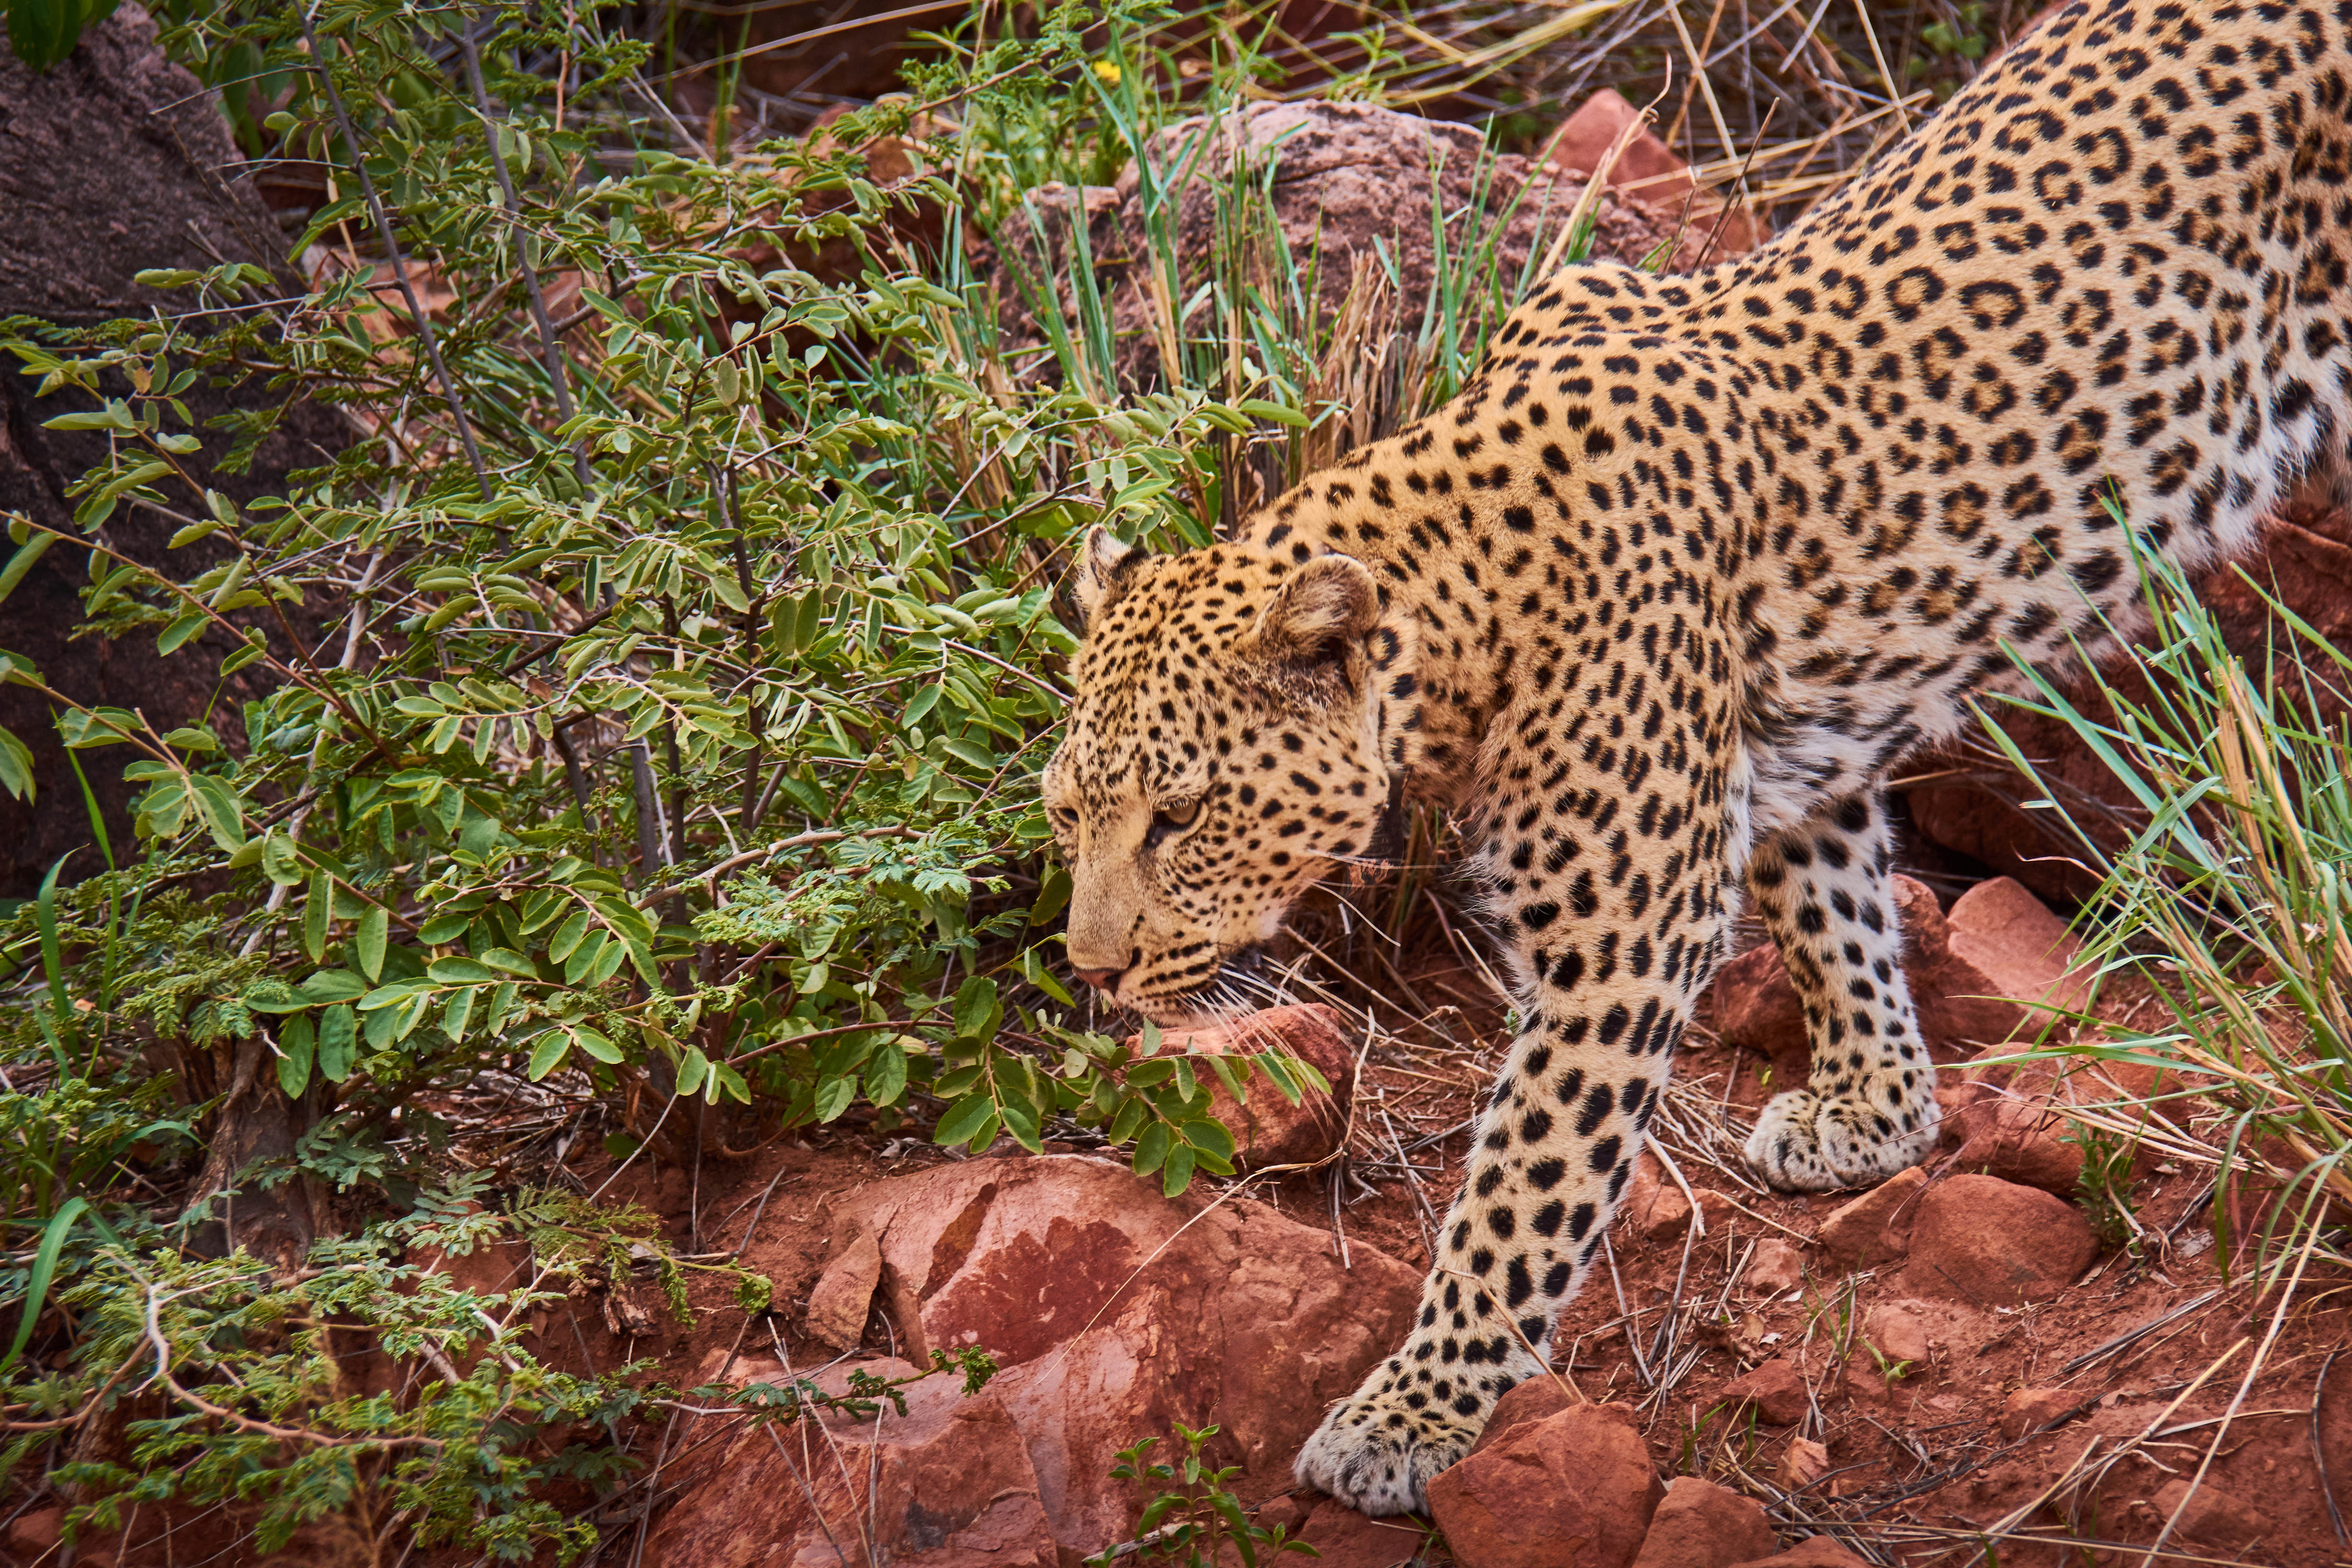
<point>1954,1362</point>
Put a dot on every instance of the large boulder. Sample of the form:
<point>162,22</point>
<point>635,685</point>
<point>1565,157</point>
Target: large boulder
<point>115,161</point>
<point>1352,188</point>
<point>1114,1313</point>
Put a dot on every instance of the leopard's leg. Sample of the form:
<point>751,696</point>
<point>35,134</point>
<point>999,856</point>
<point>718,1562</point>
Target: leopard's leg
<point>1616,942</point>
<point>1825,890</point>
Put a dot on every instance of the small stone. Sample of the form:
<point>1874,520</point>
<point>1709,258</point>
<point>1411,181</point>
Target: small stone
<point>2212,1515</point>
<point>843,1297</point>
<point>1572,1490</point>
<point>2031,1409</point>
<point>1776,1390</point>
<point>1805,1462</point>
<point>1775,1267</point>
<point>1702,1525</point>
<point>1658,1211</point>
<point>1899,1332</point>
<point>1996,1243</point>
<point>2020,1142</point>
<point>35,1533</point>
<point>1814,1552</point>
<point>1877,1226</point>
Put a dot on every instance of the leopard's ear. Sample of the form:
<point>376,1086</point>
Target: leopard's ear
<point>1318,617</point>
<point>1103,566</point>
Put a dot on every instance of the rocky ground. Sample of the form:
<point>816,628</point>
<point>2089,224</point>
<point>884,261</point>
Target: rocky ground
<point>1973,1361</point>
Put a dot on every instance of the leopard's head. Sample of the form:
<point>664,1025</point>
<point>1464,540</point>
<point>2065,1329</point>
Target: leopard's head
<point>1223,754</point>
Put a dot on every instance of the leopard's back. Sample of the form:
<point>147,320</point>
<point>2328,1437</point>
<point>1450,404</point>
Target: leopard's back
<point>2108,281</point>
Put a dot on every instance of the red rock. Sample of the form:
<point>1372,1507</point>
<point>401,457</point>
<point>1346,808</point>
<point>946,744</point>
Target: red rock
<point>1574,1489</point>
<point>1899,1329</point>
<point>1776,1389</point>
<point>1877,1226</point>
<point>1342,1538</point>
<point>1648,171</point>
<point>35,1533</point>
<point>2020,1142</point>
<point>2208,1514</point>
<point>1702,1525</point>
<point>1656,1208</point>
<point>947,1484</point>
<point>1959,969</point>
<point>2031,1409</point>
<point>1267,1129</point>
<point>1109,1324</point>
<point>1996,1243</point>
<point>844,1297</point>
<point>1814,1552</point>
<point>1775,1267</point>
<point>1534,1399</point>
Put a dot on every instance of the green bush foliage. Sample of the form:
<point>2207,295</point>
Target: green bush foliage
<point>646,701</point>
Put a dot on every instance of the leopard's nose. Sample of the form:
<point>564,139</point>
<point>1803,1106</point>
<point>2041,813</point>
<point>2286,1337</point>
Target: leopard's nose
<point>1103,980</point>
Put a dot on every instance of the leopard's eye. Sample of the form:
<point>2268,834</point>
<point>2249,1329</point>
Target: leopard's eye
<point>1172,819</point>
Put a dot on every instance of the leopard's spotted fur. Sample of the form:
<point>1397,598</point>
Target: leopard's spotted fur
<point>1658,602</point>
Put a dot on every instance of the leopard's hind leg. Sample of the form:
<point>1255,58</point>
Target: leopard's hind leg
<point>1825,890</point>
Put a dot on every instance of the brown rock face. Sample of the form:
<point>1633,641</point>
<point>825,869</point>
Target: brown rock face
<point>1656,1207</point>
<point>1996,1243</point>
<point>1109,1324</point>
<point>947,1484</point>
<point>1574,1489</point>
<point>1267,1129</point>
<point>1973,803</point>
<point>1776,1390</point>
<point>1876,1226</point>
<point>1967,971</point>
<point>1702,1525</point>
<point>1346,182</point>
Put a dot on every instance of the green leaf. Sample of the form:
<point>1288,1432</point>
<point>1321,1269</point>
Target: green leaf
<point>553,1045</point>
<point>368,941</point>
<point>318,914</point>
<point>567,937</point>
<point>281,860</point>
<point>461,971</point>
<point>963,1118</point>
<point>333,985</point>
<point>297,1043</point>
<point>693,1072</point>
<point>444,928</point>
<point>977,1010</point>
<point>835,1095</point>
<point>223,812</point>
<point>596,1045</point>
<point>44,1268</point>
<point>31,550</point>
<point>885,1076</point>
<point>1177,1174</point>
<point>1152,1149</point>
<point>338,1043</point>
<point>176,636</point>
<point>16,766</point>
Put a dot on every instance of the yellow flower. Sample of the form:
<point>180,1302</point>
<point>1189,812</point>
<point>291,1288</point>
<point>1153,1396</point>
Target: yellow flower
<point>1109,71</point>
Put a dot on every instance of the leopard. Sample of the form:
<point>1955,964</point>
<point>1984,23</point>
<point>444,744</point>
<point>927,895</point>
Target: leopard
<point>1652,609</point>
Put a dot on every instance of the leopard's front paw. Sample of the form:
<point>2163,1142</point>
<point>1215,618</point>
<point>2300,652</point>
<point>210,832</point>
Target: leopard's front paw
<point>1379,1448</point>
<point>1805,1143</point>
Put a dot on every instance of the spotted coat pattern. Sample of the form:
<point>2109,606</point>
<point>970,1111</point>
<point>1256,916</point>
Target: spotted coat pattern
<point>1656,602</point>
